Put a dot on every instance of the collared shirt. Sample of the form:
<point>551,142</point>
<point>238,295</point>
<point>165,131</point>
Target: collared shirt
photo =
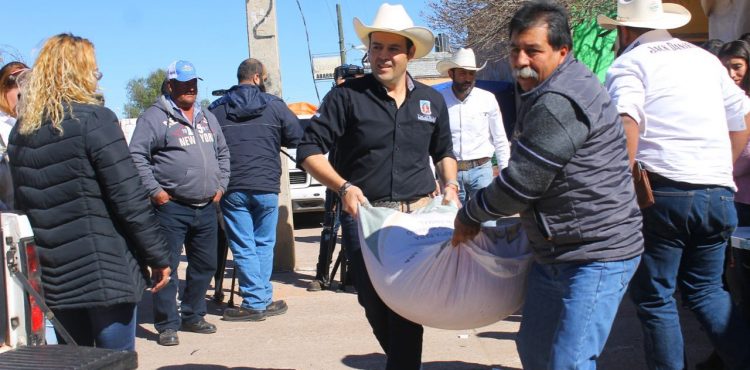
<point>6,124</point>
<point>684,103</point>
<point>477,126</point>
<point>382,149</point>
<point>177,111</point>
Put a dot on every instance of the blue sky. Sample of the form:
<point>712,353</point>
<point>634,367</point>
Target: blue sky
<point>134,37</point>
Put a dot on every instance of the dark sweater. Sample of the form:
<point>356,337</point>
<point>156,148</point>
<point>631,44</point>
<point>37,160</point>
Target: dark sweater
<point>568,174</point>
<point>256,125</point>
<point>94,226</point>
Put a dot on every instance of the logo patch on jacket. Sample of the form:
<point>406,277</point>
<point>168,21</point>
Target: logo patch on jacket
<point>424,106</point>
<point>426,109</point>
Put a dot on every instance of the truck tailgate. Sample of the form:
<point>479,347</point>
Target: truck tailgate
<point>67,357</point>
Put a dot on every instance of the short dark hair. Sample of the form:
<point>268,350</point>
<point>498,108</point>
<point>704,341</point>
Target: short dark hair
<point>538,13</point>
<point>712,46</point>
<point>745,37</point>
<point>248,68</point>
<point>409,43</point>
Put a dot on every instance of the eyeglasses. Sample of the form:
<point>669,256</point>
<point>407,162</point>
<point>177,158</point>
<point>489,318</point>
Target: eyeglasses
<point>98,75</point>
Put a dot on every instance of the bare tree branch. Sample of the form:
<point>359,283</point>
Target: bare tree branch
<point>483,24</point>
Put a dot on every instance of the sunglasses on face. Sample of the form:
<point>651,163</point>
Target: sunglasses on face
<point>13,77</point>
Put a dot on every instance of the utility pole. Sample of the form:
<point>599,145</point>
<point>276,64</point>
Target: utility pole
<point>263,45</point>
<point>342,48</point>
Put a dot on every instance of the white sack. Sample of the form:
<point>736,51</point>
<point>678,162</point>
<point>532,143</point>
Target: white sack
<point>420,276</point>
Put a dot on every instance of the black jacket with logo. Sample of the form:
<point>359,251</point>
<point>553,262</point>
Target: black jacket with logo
<point>382,149</point>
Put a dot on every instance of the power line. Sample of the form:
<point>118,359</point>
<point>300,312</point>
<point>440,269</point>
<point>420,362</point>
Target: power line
<point>309,53</point>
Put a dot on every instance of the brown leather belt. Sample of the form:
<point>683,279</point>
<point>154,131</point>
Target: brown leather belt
<point>467,165</point>
<point>403,205</point>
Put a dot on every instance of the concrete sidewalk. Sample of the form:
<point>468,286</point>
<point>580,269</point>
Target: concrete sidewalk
<point>327,330</point>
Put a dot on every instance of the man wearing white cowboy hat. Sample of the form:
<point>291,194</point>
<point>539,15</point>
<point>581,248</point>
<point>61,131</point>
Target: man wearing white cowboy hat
<point>386,126</point>
<point>685,122</point>
<point>476,124</point>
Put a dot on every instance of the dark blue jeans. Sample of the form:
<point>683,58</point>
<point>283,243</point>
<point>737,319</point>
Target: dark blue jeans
<point>686,235</point>
<point>196,228</point>
<point>110,327</point>
<point>400,338</point>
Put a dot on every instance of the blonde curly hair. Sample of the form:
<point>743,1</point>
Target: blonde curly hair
<point>64,73</point>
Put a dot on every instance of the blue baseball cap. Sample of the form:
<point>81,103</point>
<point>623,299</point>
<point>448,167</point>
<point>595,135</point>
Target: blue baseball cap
<point>182,70</point>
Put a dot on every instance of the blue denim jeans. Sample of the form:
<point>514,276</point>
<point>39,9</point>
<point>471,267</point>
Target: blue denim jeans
<point>196,229</point>
<point>474,179</point>
<point>569,311</point>
<point>250,219</point>
<point>685,234</point>
<point>111,327</point>
<point>400,338</point>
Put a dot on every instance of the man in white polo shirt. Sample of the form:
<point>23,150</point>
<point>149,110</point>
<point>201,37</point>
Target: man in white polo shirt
<point>685,122</point>
<point>476,124</point>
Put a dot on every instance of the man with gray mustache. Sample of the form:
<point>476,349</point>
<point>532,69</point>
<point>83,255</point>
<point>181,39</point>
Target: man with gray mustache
<point>568,178</point>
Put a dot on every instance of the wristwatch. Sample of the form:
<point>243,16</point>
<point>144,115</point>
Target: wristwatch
<point>344,188</point>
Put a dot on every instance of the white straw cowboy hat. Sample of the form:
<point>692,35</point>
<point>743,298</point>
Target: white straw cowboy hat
<point>646,14</point>
<point>393,19</point>
<point>463,58</point>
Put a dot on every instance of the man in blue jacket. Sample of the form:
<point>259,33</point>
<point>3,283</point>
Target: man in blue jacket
<point>256,125</point>
<point>183,161</point>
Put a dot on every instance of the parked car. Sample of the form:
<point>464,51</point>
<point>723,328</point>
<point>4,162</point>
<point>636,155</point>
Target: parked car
<point>307,194</point>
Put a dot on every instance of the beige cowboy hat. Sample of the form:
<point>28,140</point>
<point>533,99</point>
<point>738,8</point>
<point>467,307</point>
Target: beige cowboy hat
<point>393,19</point>
<point>463,58</point>
<point>646,14</point>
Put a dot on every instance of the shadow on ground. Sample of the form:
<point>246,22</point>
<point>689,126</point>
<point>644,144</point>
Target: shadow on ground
<point>213,367</point>
<point>308,220</point>
<point>376,361</point>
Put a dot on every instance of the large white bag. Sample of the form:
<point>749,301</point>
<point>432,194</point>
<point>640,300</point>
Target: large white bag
<point>420,276</point>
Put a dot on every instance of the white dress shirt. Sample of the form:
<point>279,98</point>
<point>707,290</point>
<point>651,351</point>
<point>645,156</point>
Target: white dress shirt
<point>684,103</point>
<point>477,126</point>
<point>6,124</point>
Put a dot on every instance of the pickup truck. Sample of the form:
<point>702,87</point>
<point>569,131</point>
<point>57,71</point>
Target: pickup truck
<point>23,311</point>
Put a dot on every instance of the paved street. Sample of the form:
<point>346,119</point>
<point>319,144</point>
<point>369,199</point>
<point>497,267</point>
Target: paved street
<point>327,331</point>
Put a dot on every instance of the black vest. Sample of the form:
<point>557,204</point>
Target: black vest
<point>589,212</point>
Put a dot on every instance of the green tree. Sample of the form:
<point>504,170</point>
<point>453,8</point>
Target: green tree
<point>142,92</point>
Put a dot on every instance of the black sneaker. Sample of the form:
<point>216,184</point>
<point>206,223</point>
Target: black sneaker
<point>315,286</point>
<point>243,314</point>
<point>169,338</point>
<point>276,308</point>
<point>202,327</point>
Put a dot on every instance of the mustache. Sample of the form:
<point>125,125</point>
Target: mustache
<point>525,72</point>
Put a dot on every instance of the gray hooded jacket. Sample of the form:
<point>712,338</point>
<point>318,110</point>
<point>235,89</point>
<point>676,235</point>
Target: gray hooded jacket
<point>190,161</point>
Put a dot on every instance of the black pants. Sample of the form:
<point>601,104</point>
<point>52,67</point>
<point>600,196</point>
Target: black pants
<point>400,338</point>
